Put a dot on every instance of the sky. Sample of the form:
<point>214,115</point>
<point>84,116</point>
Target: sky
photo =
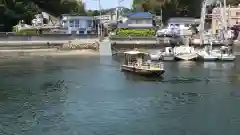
<point>105,4</point>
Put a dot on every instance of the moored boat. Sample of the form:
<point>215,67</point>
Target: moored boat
<point>168,54</point>
<point>140,63</point>
<point>186,53</point>
<point>207,54</point>
<point>225,54</point>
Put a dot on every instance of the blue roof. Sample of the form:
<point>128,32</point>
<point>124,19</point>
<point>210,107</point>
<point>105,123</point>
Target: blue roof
<point>140,15</point>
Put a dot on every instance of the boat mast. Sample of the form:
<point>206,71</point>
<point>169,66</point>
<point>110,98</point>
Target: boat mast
<point>224,15</point>
<point>202,22</point>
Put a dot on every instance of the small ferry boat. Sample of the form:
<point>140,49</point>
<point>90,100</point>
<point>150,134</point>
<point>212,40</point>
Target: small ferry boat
<point>140,63</point>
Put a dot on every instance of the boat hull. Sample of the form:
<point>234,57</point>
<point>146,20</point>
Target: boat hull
<point>155,57</point>
<point>186,57</point>
<point>143,72</point>
<point>207,58</point>
<point>227,58</point>
<point>168,58</point>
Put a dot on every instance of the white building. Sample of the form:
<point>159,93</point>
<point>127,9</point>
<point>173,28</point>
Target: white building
<point>182,23</point>
<point>138,20</point>
<point>78,24</point>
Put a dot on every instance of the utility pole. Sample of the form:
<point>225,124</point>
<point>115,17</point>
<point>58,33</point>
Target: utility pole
<point>224,14</point>
<point>202,23</point>
<point>100,19</point>
<point>161,17</point>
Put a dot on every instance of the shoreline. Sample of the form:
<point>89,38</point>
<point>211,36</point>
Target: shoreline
<point>8,54</point>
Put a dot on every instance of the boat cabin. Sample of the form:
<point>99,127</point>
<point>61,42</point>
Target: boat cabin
<point>136,58</point>
<point>226,50</point>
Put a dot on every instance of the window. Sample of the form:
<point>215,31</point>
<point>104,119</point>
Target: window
<point>237,13</point>
<point>186,25</point>
<point>138,21</point>
<point>89,23</point>
<point>76,23</point>
<point>71,23</point>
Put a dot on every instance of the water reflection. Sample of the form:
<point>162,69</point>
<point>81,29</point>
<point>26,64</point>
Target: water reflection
<point>183,97</point>
<point>54,86</point>
<point>136,77</point>
<point>186,64</point>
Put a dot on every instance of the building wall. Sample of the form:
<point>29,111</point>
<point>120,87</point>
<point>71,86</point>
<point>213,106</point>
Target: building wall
<point>233,16</point>
<point>78,24</point>
<point>107,18</point>
<point>140,22</point>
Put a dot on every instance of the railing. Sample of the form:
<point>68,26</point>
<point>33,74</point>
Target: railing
<point>147,65</point>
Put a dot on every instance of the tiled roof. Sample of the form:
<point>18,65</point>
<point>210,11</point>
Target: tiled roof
<point>140,15</point>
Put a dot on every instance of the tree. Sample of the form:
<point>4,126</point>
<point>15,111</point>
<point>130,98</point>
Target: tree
<point>14,10</point>
<point>233,2</point>
<point>170,8</point>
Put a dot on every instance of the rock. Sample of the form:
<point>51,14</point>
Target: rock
<point>82,44</point>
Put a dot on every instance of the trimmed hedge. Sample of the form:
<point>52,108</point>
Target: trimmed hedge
<point>136,32</point>
<point>26,32</point>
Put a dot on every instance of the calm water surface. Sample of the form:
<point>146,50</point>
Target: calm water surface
<point>90,96</point>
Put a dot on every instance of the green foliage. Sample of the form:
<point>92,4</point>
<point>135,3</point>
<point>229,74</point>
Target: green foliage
<point>170,8</point>
<point>14,29</point>
<point>136,32</point>
<point>93,13</point>
<point>233,2</point>
<point>11,11</point>
<point>26,32</point>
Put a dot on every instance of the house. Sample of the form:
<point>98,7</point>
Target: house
<point>233,17</point>
<point>138,20</point>
<point>182,23</point>
<point>75,24</point>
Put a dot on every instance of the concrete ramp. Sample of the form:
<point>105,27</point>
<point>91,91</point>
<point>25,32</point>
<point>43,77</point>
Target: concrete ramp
<point>105,48</point>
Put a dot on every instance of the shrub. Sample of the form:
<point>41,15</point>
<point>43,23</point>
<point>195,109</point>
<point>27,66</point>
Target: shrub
<point>25,32</point>
<point>14,29</point>
<point>136,32</point>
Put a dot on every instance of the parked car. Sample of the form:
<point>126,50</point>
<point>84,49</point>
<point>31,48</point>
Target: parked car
<point>167,32</point>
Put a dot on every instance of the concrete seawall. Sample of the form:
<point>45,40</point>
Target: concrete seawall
<point>50,37</point>
<point>51,43</point>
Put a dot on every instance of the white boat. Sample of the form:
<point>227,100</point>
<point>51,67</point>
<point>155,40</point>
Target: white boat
<point>224,54</point>
<point>140,63</point>
<point>155,56</point>
<point>207,55</point>
<point>185,53</point>
<point>168,54</point>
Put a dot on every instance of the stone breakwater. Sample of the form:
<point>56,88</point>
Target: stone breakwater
<point>49,47</point>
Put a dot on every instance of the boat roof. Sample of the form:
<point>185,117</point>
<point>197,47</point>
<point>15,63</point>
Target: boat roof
<point>134,52</point>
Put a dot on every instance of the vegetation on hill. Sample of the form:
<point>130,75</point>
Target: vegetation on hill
<point>176,8</point>
<point>11,11</point>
